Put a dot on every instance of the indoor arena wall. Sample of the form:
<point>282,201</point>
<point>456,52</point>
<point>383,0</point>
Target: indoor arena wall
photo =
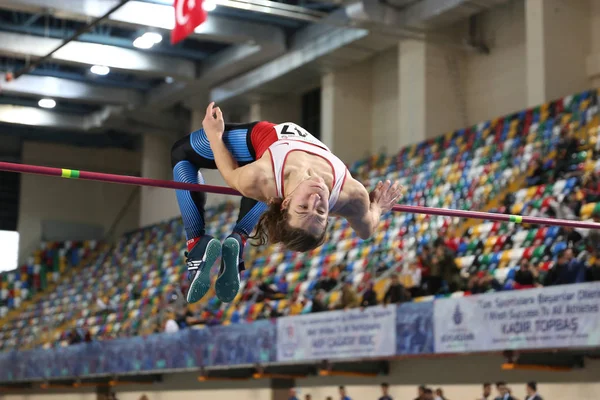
<point>495,83</point>
<point>64,200</point>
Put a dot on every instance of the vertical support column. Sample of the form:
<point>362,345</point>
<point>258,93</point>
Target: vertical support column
<point>412,68</point>
<point>346,112</point>
<point>157,204</point>
<point>431,93</point>
<point>558,48</point>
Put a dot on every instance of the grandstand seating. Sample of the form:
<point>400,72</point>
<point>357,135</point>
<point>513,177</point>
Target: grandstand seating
<point>44,266</point>
<point>466,169</point>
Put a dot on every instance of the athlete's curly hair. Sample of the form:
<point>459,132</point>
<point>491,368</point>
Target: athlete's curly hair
<point>273,227</point>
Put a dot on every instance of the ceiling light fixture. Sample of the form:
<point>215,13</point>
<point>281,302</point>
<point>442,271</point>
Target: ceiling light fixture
<point>47,103</point>
<point>209,5</point>
<point>100,70</point>
<point>147,40</point>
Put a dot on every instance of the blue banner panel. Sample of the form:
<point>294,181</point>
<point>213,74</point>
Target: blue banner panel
<point>552,317</point>
<point>414,328</point>
<point>191,348</point>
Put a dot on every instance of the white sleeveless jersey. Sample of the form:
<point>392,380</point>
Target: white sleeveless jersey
<point>291,137</point>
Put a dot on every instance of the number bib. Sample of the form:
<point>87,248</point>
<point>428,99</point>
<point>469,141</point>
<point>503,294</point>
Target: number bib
<point>291,131</point>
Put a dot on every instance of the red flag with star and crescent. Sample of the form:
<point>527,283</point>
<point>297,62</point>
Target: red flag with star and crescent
<point>188,15</point>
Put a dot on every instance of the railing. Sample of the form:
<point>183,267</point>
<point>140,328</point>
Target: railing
<point>550,318</point>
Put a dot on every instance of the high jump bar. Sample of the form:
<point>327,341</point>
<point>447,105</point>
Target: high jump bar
<point>134,180</point>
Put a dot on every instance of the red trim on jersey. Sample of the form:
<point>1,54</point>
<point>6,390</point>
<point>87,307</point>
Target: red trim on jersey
<point>262,136</point>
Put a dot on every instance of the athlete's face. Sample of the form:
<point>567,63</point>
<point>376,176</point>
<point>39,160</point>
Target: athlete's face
<point>308,206</point>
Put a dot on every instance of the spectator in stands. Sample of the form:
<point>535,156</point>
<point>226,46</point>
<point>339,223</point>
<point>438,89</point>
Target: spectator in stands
<point>349,298</point>
<point>568,208</point>
<point>531,390</point>
<point>425,260</point>
<point>527,276</point>
<point>439,394</point>
<point>235,315</point>
<point>396,293</point>
<point>593,271</point>
<point>318,303</point>
<point>296,305</point>
<point>573,238</point>
<point>487,391</point>
<point>343,395</point>
<point>171,325</point>
<point>448,270</point>
<point>567,146</point>
<point>385,392</point>
<point>413,280</point>
<point>328,282</point>
<point>503,392</point>
<point>591,188</point>
<point>268,312</point>
<point>269,291</point>
<point>369,297</point>
<point>483,282</point>
<point>566,270</point>
<point>537,176</point>
<point>75,337</point>
<point>593,238</point>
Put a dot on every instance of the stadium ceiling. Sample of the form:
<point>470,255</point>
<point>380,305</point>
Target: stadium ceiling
<point>246,50</point>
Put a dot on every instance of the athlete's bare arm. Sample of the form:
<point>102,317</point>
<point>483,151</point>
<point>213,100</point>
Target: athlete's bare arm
<point>251,180</point>
<point>363,210</point>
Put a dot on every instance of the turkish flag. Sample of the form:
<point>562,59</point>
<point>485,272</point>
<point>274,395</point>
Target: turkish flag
<point>188,15</point>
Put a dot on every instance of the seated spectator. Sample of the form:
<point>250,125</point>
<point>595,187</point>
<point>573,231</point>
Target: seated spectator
<point>527,276</point>
<point>318,303</point>
<point>349,298</point>
<point>268,312</point>
<point>566,270</point>
<point>296,305</point>
<point>566,147</point>
<point>445,268</point>
<point>75,337</point>
<point>369,296</point>
<point>328,282</point>
<point>424,258</point>
<point>412,280</point>
<point>593,239</point>
<point>593,271</point>
<point>537,176</point>
<point>171,325</point>
<point>568,208</point>
<point>483,282</point>
<point>396,293</point>
<point>269,291</point>
<point>236,316</point>
<point>573,238</point>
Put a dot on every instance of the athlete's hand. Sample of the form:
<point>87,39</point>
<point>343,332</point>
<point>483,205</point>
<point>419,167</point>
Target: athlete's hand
<point>213,123</point>
<point>386,195</point>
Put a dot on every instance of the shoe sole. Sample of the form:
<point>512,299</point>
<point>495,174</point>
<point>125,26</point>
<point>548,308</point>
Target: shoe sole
<point>201,283</point>
<point>228,282</point>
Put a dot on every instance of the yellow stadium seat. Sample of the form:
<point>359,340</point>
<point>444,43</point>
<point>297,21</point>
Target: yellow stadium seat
<point>587,210</point>
<point>282,305</point>
<point>334,297</point>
